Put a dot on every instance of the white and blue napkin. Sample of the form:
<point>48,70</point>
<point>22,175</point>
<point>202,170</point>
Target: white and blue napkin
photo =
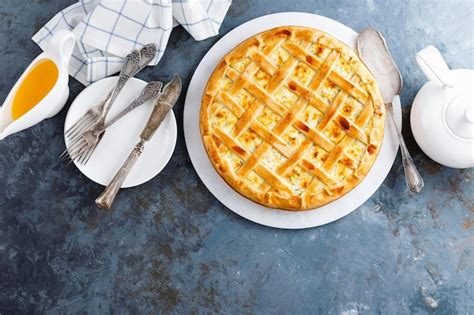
<point>107,30</point>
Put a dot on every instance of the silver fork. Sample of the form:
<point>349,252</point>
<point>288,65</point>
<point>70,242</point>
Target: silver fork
<point>131,63</point>
<point>147,53</point>
<point>129,67</point>
<point>82,148</point>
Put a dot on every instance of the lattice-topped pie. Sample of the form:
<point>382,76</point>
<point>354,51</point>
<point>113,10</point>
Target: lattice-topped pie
<point>292,119</point>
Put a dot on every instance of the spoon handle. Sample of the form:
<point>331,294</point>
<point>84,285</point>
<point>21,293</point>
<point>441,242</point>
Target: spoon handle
<point>413,178</point>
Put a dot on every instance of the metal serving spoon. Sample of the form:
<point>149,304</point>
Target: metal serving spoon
<point>373,51</point>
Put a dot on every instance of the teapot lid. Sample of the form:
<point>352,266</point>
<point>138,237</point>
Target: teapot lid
<point>442,116</point>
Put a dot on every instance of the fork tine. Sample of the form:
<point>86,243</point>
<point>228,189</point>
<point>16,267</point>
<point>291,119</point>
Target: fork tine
<point>69,161</point>
<point>68,152</point>
<point>78,132</point>
<point>63,155</point>
<point>80,155</point>
<point>89,156</point>
<point>72,156</point>
<point>90,153</point>
<point>73,144</point>
<point>84,154</point>
<point>90,115</point>
<point>76,145</point>
<point>66,157</point>
<point>66,160</point>
<point>78,135</point>
<point>80,128</point>
<point>77,123</point>
<point>78,152</point>
<point>98,140</point>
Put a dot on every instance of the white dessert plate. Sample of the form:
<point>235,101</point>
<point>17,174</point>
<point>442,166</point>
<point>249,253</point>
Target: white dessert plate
<point>214,182</point>
<point>121,137</point>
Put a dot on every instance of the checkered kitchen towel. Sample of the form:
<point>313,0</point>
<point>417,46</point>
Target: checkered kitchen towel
<point>107,30</point>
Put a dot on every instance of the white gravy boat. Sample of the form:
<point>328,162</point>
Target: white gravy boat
<point>59,51</point>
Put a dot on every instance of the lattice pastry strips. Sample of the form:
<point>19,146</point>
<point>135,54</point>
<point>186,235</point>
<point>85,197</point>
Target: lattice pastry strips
<point>292,119</point>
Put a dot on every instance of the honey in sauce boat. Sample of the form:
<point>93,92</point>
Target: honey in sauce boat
<point>36,85</point>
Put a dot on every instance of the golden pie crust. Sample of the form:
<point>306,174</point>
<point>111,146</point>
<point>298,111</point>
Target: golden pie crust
<point>292,119</point>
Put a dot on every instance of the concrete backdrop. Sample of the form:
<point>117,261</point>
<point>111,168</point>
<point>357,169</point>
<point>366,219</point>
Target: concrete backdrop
<point>170,247</point>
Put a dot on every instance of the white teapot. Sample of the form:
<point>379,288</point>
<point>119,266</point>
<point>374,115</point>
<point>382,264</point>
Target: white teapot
<point>442,114</point>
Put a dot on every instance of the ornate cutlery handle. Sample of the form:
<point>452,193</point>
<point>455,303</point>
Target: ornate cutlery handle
<point>129,68</point>
<point>147,53</point>
<point>413,178</point>
<point>105,200</point>
<point>150,91</point>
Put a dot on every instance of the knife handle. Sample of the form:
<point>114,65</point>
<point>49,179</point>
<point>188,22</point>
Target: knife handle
<point>105,200</point>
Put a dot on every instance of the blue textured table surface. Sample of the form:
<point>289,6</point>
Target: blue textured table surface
<point>170,246</point>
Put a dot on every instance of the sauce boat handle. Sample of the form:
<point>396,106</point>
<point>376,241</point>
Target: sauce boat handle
<point>62,45</point>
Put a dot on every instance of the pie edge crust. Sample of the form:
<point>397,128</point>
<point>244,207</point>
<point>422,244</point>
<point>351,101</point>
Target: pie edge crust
<point>272,199</point>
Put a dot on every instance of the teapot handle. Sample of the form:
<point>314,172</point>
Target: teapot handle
<point>62,43</point>
<point>433,65</point>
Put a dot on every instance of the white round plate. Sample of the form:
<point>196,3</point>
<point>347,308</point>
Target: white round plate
<point>214,182</point>
<point>121,137</point>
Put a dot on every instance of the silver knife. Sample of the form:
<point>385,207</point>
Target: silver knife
<point>163,105</point>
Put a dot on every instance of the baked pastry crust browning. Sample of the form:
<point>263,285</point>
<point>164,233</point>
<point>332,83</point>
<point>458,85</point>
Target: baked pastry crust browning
<point>292,119</point>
